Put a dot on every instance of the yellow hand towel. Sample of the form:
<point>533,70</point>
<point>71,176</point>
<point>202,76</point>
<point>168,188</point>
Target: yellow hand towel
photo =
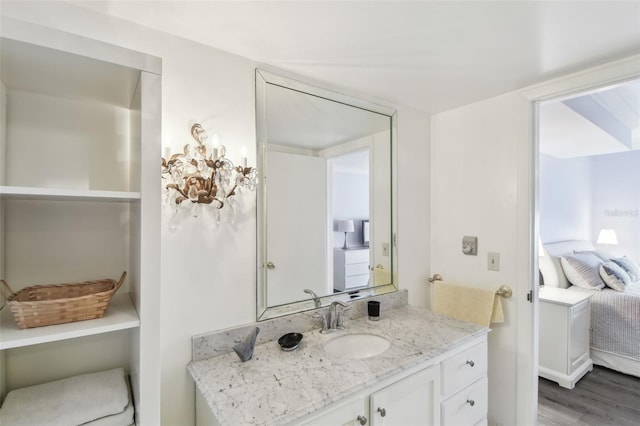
<point>476,305</point>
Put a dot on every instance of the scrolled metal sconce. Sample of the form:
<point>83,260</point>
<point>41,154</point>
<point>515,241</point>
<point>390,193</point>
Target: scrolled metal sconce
<point>205,178</point>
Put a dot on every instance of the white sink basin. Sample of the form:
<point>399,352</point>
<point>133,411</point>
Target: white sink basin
<point>354,346</point>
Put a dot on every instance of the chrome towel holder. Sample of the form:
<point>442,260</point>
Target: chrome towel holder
<point>504,290</point>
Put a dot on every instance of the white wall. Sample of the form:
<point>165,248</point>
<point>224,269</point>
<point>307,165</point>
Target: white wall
<point>350,200</point>
<point>580,196</point>
<point>565,199</point>
<point>480,188</point>
<point>616,201</point>
<point>208,272</point>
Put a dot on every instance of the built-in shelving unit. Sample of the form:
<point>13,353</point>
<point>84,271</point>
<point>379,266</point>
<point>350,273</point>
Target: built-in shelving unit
<point>34,193</point>
<point>80,200</point>
<point>120,315</point>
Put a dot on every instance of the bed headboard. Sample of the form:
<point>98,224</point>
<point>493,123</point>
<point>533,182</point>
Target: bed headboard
<point>550,266</point>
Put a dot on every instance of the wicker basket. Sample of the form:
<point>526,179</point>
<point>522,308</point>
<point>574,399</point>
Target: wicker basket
<point>50,304</point>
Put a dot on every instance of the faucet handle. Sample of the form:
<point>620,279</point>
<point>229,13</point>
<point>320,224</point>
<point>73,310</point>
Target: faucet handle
<point>340,315</point>
<point>324,321</point>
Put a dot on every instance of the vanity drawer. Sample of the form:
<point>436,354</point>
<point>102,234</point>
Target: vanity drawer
<point>467,407</point>
<point>464,368</point>
<point>356,256</point>
<point>356,269</point>
<point>356,281</point>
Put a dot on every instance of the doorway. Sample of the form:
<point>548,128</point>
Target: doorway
<point>587,153</point>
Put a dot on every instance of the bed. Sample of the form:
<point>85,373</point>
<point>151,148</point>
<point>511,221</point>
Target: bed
<point>615,315</point>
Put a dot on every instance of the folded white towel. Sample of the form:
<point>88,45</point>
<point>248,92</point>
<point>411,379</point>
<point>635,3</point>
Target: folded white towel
<point>72,401</point>
<point>121,419</point>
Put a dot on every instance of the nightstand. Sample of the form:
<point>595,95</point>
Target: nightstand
<point>351,268</point>
<point>564,335</point>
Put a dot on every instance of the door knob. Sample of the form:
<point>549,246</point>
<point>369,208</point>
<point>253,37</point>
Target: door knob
<point>271,265</point>
<point>382,412</point>
<point>362,420</point>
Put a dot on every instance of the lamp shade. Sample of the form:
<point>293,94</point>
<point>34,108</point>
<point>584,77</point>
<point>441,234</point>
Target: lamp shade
<point>607,236</point>
<point>346,226</point>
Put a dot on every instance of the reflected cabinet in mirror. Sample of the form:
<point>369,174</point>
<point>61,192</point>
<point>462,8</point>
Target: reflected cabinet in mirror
<point>325,202</point>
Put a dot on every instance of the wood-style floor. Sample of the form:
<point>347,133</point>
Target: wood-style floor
<point>603,397</point>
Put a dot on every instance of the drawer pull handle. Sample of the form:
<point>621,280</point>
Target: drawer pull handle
<point>382,412</point>
<point>471,402</point>
<point>471,363</point>
<point>362,420</point>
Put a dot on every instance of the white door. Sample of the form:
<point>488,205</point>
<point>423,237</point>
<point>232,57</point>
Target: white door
<point>296,243</point>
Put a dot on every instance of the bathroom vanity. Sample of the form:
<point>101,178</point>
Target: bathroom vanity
<point>434,372</point>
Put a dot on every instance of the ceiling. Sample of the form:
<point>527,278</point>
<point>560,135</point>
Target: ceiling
<point>298,119</point>
<point>604,121</point>
<point>429,55</point>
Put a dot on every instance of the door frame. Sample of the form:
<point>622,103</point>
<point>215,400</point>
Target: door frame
<point>607,74</point>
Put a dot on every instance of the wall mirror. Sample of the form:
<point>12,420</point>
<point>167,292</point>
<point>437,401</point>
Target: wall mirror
<point>325,199</point>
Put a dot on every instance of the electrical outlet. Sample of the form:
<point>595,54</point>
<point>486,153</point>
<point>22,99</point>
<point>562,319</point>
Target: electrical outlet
<point>493,261</point>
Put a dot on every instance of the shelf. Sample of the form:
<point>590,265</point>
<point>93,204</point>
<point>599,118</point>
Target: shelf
<point>120,315</point>
<point>35,193</point>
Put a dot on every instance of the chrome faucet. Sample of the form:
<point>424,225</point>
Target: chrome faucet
<point>333,321</point>
<point>316,299</point>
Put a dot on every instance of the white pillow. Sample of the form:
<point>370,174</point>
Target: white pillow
<point>552,273</point>
<point>629,266</point>
<point>582,270</point>
<point>614,276</point>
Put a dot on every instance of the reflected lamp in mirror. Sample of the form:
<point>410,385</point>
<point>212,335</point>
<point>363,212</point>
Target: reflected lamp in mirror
<point>345,226</point>
<point>608,237</point>
<point>203,174</point>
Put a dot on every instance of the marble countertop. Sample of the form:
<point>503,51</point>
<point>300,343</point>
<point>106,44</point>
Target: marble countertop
<point>277,387</point>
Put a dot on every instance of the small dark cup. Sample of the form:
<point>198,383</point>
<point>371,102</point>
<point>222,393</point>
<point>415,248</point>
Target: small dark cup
<point>373,309</point>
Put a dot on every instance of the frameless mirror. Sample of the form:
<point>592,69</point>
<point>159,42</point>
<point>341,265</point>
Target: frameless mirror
<point>325,199</point>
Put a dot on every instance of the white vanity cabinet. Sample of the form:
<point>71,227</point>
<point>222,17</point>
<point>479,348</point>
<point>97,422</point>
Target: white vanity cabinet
<point>409,401</point>
<point>412,383</point>
<point>80,200</point>
<point>464,387</point>
<point>350,268</point>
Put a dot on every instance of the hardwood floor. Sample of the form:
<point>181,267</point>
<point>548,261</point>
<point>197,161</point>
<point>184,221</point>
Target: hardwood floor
<point>602,397</point>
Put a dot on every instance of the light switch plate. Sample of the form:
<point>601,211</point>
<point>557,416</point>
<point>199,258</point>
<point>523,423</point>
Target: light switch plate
<point>470,245</point>
<point>493,261</point>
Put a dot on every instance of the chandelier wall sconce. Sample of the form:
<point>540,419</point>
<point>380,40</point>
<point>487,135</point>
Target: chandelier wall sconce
<point>205,178</point>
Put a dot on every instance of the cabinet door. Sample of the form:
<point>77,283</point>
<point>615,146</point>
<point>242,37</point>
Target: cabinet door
<point>350,413</point>
<point>579,336</point>
<point>412,401</point>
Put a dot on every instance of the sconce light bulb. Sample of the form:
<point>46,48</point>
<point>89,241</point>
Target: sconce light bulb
<point>243,155</point>
<point>215,141</point>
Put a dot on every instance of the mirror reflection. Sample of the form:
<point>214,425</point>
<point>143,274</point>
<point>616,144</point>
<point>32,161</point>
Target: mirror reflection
<point>325,205</point>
